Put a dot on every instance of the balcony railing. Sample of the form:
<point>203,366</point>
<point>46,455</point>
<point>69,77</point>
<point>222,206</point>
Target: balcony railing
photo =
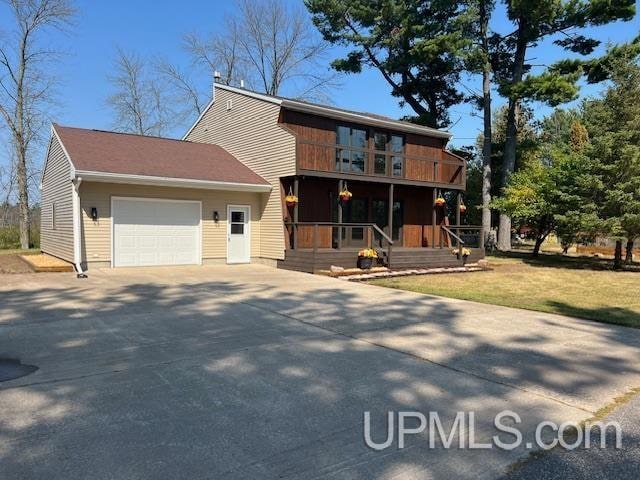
<point>317,156</point>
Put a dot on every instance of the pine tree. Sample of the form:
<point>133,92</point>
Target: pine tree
<point>416,45</point>
<point>613,123</point>
<point>536,20</point>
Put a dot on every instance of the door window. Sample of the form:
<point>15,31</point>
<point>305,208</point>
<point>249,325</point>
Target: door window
<point>237,222</point>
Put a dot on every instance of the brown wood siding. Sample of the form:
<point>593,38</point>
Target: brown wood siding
<point>250,131</point>
<point>316,141</point>
<point>57,190</point>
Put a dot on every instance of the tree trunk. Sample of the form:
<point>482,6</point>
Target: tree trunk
<point>538,244</point>
<point>617,259</point>
<point>488,135</point>
<point>629,253</point>
<point>23,203</point>
<point>511,141</point>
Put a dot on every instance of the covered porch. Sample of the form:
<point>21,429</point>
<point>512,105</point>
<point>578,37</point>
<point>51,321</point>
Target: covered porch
<point>401,221</point>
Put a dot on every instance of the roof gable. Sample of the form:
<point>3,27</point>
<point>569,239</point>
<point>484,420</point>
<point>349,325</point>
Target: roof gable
<point>364,118</point>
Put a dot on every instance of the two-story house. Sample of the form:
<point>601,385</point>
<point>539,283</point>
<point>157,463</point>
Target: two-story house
<point>220,194</point>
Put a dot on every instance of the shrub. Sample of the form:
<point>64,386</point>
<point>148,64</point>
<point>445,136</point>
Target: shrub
<point>10,237</point>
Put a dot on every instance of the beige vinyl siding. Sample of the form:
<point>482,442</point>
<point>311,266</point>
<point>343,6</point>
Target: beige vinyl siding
<point>250,131</point>
<point>97,235</point>
<point>57,190</point>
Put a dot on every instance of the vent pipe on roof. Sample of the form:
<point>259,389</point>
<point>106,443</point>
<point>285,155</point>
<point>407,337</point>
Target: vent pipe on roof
<point>216,78</point>
<point>241,83</point>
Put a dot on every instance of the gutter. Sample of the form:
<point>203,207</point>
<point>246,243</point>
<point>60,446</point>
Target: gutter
<point>172,182</point>
<point>77,228</point>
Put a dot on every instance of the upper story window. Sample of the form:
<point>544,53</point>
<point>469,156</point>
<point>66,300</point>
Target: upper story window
<point>355,150</point>
<point>351,155</point>
<point>389,151</point>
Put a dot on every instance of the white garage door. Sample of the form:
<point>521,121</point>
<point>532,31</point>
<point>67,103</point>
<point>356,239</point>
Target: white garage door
<point>155,232</point>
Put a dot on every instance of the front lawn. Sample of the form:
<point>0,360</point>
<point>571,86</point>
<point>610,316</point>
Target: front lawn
<point>580,287</point>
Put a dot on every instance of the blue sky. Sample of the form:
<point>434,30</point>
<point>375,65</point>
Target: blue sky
<point>156,27</point>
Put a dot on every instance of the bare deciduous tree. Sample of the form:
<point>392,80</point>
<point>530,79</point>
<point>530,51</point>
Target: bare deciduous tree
<point>269,44</point>
<point>219,52</point>
<point>140,99</point>
<point>26,85</point>
<point>183,88</point>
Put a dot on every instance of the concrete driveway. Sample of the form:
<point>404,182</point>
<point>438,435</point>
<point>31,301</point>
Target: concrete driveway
<point>253,373</point>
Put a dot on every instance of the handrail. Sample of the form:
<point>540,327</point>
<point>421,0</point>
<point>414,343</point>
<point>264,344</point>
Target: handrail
<point>449,229</point>
<point>446,229</point>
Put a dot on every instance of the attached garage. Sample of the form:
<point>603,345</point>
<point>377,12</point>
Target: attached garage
<point>131,200</point>
<point>150,232</point>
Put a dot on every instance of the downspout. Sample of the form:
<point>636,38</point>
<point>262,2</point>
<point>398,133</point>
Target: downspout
<point>77,229</point>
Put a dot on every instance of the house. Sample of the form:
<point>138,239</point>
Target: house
<point>218,195</point>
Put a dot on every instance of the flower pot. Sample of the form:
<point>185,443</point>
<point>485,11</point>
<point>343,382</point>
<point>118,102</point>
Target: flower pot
<point>365,263</point>
<point>291,204</point>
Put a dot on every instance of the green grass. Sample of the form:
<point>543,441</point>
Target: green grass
<point>577,286</point>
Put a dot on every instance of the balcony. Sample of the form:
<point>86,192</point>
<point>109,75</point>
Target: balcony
<point>367,164</point>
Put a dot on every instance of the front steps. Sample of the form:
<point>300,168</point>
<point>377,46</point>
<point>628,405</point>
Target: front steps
<point>306,260</point>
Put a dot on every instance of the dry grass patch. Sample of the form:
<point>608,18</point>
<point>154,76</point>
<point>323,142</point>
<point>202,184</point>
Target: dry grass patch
<point>579,287</point>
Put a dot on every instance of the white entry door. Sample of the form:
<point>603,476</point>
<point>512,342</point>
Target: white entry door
<point>238,234</point>
<point>155,232</point>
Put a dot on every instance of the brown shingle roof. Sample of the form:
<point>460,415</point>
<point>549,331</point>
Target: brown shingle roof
<point>122,153</point>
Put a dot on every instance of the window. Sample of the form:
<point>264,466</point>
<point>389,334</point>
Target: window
<point>380,164</point>
<point>380,141</point>
<point>396,166</point>
<point>388,158</point>
<point>237,223</point>
<point>351,155</point>
<point>397,144</point>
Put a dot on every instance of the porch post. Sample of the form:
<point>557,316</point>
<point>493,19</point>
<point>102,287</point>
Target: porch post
<point>434,218</point>
<point>390,223</point>
<point>340,186</point>
<point>296,188</point>
<point>390,212</point>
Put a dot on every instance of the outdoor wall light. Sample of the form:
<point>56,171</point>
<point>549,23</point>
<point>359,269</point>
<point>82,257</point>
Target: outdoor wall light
<point>94,213</point>
<point>216,216</point>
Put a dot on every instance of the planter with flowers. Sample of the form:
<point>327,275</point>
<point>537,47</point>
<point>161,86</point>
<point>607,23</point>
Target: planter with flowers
<point>291,200</point>
<point>440,201</point>
<point>463,208</point>
<point>366,257</point>
<point>345,195</point>
<point>461,254</point>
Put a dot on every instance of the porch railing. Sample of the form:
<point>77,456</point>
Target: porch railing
<point>374,235</point>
